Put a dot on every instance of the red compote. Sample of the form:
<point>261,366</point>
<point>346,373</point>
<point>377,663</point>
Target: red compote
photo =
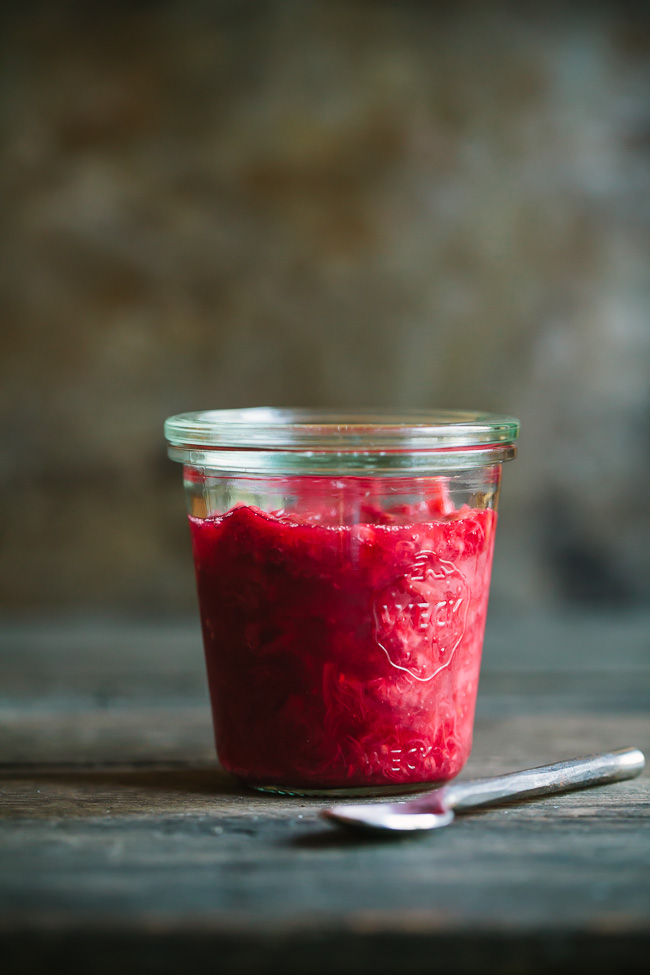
<point>344,653</point>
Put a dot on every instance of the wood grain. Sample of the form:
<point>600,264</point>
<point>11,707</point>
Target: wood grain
<point>122,843</point>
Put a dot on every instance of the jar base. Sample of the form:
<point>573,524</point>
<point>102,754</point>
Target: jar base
<point>351,793</point>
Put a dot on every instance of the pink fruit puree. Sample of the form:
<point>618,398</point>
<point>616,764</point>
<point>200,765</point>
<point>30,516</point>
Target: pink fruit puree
<point>344,655</point>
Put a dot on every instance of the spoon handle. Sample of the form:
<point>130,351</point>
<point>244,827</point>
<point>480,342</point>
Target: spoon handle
<point>561,777</point>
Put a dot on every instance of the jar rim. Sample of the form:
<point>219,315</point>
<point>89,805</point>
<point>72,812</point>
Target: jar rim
<point>379,442</point>
<point>338,431</point>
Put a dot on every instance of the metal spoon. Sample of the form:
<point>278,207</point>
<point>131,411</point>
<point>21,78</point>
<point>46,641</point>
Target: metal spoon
<point>436,808</point>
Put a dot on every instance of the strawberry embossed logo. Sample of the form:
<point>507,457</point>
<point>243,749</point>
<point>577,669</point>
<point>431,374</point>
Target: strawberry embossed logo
<point>420,617</point>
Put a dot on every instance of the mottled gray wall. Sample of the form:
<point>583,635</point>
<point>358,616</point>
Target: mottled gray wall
<point>211,204</point>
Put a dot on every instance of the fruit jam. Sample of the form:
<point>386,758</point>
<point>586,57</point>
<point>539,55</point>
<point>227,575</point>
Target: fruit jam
<point>344,655</point>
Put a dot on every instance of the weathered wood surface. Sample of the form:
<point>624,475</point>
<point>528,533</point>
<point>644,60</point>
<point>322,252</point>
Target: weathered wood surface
<point>122,844</point>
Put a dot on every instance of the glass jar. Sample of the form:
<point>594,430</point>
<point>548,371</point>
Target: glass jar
<point>343,565</point>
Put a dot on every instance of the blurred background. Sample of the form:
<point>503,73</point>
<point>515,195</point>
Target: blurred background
<point>336,203</point>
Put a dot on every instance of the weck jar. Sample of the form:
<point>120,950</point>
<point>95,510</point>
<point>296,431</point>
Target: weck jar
<point>343,566</point>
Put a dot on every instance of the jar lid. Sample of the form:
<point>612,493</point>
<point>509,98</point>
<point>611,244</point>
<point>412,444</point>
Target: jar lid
<point>266,440</point>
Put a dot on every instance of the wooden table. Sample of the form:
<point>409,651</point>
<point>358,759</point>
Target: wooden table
<point>123,846</point>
